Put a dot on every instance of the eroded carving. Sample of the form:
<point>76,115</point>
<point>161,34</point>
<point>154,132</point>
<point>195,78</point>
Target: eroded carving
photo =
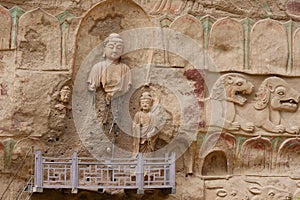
<point>268,47</point>
<point>273,97</point>
<point>226,44</point>
<point>258,191</point>
<point>112,74</point>
<point>59,113</point>
<point>232,189</point>
<point>39,39</point>
<point>247,188</point>
<point>5,28</point>
<point>256,155</point>
<point>161,6</point>
<point>217,154</point>
<point>288,156</point>
<point>190,6</point>
<point>3,89</point>
<point>228,92</point>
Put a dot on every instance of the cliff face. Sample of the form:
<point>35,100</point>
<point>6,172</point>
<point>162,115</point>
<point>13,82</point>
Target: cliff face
<point>222,76</point>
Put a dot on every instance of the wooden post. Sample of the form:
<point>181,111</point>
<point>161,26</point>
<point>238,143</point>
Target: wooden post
<point>173,172</point>
<point>166,175</point>
<point>74,173</point>
<point>38,172</point>
<point>140,174</point>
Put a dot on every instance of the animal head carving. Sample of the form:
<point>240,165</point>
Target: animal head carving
<point>232,87</point>
<point>269,192</point>
<point>275,92</point>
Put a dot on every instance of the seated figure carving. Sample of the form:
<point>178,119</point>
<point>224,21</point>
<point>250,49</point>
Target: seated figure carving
<point>229,91</point>
<point>273,97</point>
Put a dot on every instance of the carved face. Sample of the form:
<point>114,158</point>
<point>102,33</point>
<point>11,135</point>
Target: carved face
<point>146,105</point>
<point>236,86</point>
<point>113,49</point>
<point>65,95</point>
<point>285,99</point>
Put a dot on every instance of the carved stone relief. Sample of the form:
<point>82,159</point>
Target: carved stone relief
<point>268,38</point>
<point>288,156</point>
<point>227,93</point>
<point>256,155</point>
<point>96,25</point>
<point>252,121</point>
<point>273,97</point>
<point>147,123</point>
<point>58,114</point>
<point>39,42</point>
<point>226,44</point>
<point>5,28</point>
<point>217,154</point>
<point>191,27</point>
<point>249,188</point>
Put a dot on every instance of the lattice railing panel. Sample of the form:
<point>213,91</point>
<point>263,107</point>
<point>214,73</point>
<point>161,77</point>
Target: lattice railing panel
<point>86,173</point>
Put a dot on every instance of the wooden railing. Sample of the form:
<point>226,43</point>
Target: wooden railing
<point>117,173</point>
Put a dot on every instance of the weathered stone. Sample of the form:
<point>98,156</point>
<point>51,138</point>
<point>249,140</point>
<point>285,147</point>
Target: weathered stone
<point>268,47</point>
<point>8,149</point>
<point>39,42</point>
<point>16,13</point>
<point>188,26</point>
<point>226,45</point>
<point>5,28</point>
<point>256,154</point>
<point>293,9</point>
<point>34,103</point>
<point>296,52</point>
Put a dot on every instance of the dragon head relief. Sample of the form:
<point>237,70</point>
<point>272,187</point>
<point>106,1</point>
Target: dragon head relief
<point>276,93</point>
<point>236,88</point>
<point>232,87</point>
<point>273,97</point>
<point>230,90</point>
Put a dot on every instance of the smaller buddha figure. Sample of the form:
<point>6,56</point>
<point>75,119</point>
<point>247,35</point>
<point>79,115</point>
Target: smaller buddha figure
<point>145,126</point>
<point>111,73</point>
<point>59,113</point>
<point>65,95</point>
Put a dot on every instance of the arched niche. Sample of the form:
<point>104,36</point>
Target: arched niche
<point>5,28</point>
<point>215,163</point>
<point>190,26</point>
<point>288,159</point>
<point>268,47</point>
<point>217,147</point>
<point>39,41</point>
<point>226,44</point>
<point>106,17</point>
<point>256,155</point>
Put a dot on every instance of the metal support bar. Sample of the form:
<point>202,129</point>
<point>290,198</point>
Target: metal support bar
<point>140,174</point>
<point>38,172</point>
<point>74,173</point>
<point>173,172</point>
